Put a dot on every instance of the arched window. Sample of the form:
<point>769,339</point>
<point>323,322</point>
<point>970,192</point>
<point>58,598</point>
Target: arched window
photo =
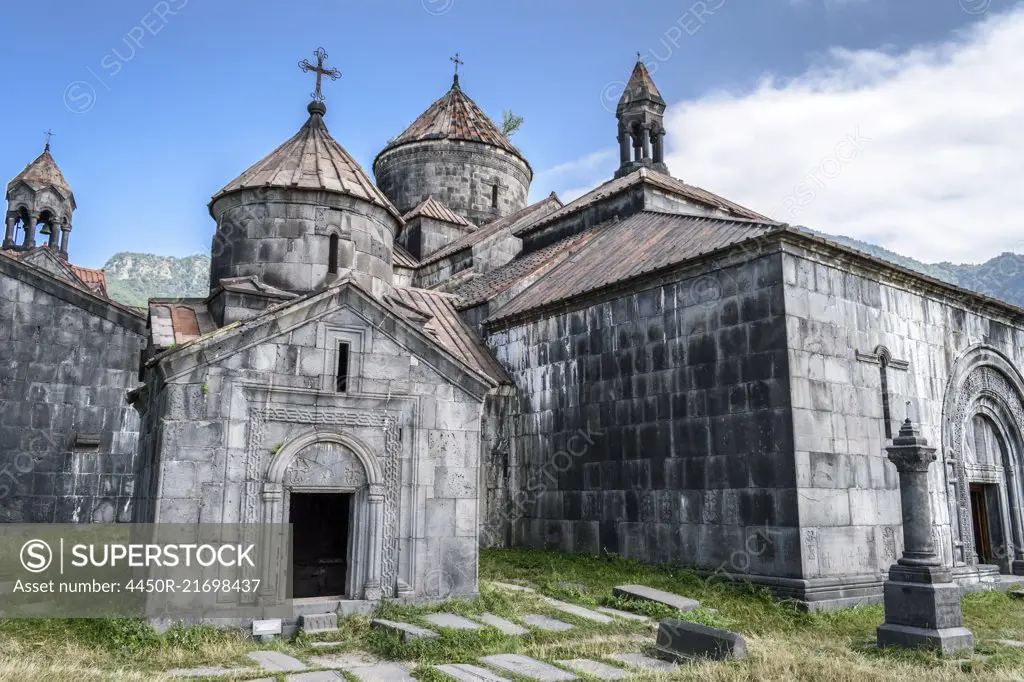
<point>332,256</point>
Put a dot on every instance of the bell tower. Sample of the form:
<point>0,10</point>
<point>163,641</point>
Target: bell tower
<point>641,114</point>
<point>39,203</point>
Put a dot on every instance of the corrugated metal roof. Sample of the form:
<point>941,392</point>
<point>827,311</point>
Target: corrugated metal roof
<point>313,160</point>
<point>451,332</point>
<point>638,245</point>
<point>454,117</point>
<point>432,208</point>
<point>487,286</point>
<point>644,176</point>
<point>518,221</point>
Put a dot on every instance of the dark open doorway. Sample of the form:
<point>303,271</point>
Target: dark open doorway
<point>320,525</point>
<point>985,517</point>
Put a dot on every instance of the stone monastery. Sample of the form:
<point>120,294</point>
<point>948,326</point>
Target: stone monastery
<point>411,366</point>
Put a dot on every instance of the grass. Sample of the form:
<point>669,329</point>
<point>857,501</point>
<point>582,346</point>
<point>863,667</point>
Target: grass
<point>785,644</point>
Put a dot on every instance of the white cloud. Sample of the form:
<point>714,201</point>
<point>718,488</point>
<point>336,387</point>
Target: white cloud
<point>937,177</point>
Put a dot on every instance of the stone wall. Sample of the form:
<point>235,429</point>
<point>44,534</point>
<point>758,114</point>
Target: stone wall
<point>423,237</point>
<point>460,174</point>
<point>67,436</point>
<point>839,313</point>
<point>283,237</point>
<point>216,430</point>
<point>655,424</point>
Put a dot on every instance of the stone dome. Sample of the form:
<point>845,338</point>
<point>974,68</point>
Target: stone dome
<point>456,154</point>
<point>303,216</point>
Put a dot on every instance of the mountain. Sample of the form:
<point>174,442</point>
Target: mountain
<point>134,278</point>
<point>1001,277</point>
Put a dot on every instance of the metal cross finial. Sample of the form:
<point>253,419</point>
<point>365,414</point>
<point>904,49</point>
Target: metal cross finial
<point>458,63</point>
<point>333,74</point>
<point>49,134</point>
<point>638,57</point>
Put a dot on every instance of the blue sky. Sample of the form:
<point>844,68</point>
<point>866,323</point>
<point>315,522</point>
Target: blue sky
<point>156,105</point>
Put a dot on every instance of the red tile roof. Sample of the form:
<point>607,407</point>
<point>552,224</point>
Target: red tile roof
<point>454,117</point>
<point>178,321</point>
<point>96,280</point>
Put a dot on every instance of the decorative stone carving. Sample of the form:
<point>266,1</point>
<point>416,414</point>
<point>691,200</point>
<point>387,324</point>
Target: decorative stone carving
<point>983,381</point>
<point>387,494</point>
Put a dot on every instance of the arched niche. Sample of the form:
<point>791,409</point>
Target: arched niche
<point>982,427</point>
<point>333,462</point>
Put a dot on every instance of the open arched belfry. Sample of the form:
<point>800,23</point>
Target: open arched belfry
<point>409,366</point>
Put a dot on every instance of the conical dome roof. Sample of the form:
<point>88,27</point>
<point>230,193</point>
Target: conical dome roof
<point>42,173</point>
<point>455,117</point>
<point>312,160</point>
<point>640,88</point>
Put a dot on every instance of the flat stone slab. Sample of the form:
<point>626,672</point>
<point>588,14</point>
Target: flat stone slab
<point>383,672</point>
<point>525,666</point>
<point>579,611</point>
<point>602,671</point>
<point>644,593</point>
<point>513,587</point>
<point>408,632</point>
<point>343,661</point>
<point>318,676</point>
<point>681,640</point>
<point>506,626</point>
<point>325,645</point>
<point>624,614</point>
<point>578,587</point>
<point>1010,642</point>
<point>646,662</point>
<point>275,661</point>
<point>470,673</point>
<point>207,672</point>
<point>546,623</point>
<point>451,620</point>
<point>319,622</point>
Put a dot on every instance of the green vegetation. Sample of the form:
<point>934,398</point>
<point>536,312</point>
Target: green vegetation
<point>785,643</point>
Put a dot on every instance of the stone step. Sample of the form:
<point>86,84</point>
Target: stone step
<point>470,673</point>
<point>525,666</point>
<point>208,672</point>
<point>275,661</point>
<point>407,631</point>
<point>602,671</point>
<point>645,662</point>
<point>313,623</point>
<point>644,593</point>
<point>625,614</point>
<point>302,607</point>
<point>579,611</point>
<point>546,623</point>
<point>383,672</point>
<point>451,620</point>
<point>342,661</point>
<point>506,626</point>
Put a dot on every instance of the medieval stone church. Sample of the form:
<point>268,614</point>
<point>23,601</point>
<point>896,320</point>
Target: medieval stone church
<point>409,367</point>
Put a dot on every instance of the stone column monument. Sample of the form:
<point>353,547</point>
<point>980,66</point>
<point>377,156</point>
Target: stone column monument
<point>922,604</point>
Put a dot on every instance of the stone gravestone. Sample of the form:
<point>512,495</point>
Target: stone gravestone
<point>922,604</point>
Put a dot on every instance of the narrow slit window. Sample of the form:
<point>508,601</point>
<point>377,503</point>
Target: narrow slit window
<point>341,376</point>
<point>332,255</point>
<point>494,196</point>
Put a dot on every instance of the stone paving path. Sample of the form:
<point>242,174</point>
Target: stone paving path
<point>646,662</point>
<point>517,664</point>
<point>596,669</point>
<point>470,673</point>
<point>275,661</point>
<point>545,623</point>
<point>506,626</point>
<point>451,620</point>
